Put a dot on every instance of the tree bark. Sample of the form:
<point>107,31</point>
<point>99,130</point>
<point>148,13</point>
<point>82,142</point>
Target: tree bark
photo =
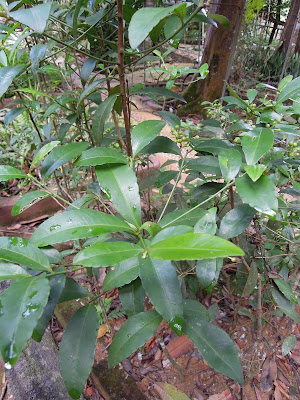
<point>218,51</point>
<point>290,33</point>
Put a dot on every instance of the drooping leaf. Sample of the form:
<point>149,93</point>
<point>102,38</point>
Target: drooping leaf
<point>288,344</point>
<point>87,68</point>
<point>290,90</point>
<point>144,133</point>
<point>260,195</point>
<point>21,305</point>
<point>11,271</point>
<point>76,224</point>
<point>133,334</point>
<point>207,223</point>
<point>151,227</point>
<point>162,92</point>
<point>7,173</point>
<point>132,296</point>
<point>27,200</point>
<point>161,283</point>
<point>161,144</point>
<point>12,114</point>
<point>221,19</point>
<point>100,117</point>
<point>285,289</point>
<point>193,246</point>
<point>119,183</point>
<point>44,151</point>
<point>192,308</point>
<point>251,280</point>
<point>182,217</point>
<point>100,156</point>
<point>170,118</point>
<point>122,274</point>
<point>77,349</point>
<point>206,271</point>
<point>205,164</point>
<point>60,156</point>
<point>35,17</point>
<point>254,147</point>
<point>285,305</point>
<point>169,392</point>
<point>230,162</point>
<point>7,75</point>
<point>79,3</point>
<point>72,291</point>
<point>236,221</point>
<point>214,146</point>
<point>18,250</point>
<point>255,171</point>
<point>215,346</point>
<point>106,253</point>
<point>57,284</point>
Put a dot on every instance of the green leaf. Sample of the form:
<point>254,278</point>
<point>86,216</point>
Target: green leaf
<point>253,8</point>
<point>260,195</point>
<point>161,144</point>
<point>88,90</point>
<point>72,291</point>
<point>206,271</point>
<point>193,246</point>
<point>161,283</point>
<point>100,156</point>
<point>122,274</point>
<point>53,255</point>
<point>182,217</point>
<point>254,147</point>
<point>152,228</point>
<point>207,224</point>
<point>133,334</point>
<point>44,151</point>
<point>21,305</point>
<point>79,3</point>
<point>255,171</point>
<point>107,253</point>
<point>251,94</point>
<point>17,250</point>
<point>12,114</point>
<point>27,200</point>
<point>77,349</point>
<point>7,75</point>
<point>144,133</point>
<point>170,118</point>
<point>289,91</point>
<point>57,284</point>
<point>215,346</point>
<point>144,20</point>
<point>230,163</point>
<point>35,17</point>
<point>87,68</point>
<point>100,116</point>
<point>60,156</point>
<point>285,289</point>
<point>221,19</point>
<point>169,392</point>
<point>285,306</point>
<point>236,221</point>
<point>288,344</point>
<point>214,146</point>
<point>7,173</point>
<point>132,297</point>
<point>11,271</point>
<point>76,224</point>
<point>153,91</point>
<point>171,231</point>
<point>119,183</point>
<point>251,280</point>
<point>192,308</point>
<point>205,164</point>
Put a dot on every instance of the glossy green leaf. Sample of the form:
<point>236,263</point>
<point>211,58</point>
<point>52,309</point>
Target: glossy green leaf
<point>18,250</point>
<point>60,156</point>
<point>27,200</point>
<point>100,117</point>
<point>254,147</point>
<point>76,224</point>
<point>152,228</point>
<point>214,146</point>
<point>169,392</point>
<point>11,271</point>
<point>215,346</point>
<point>161,92</point>
<point>7,75</point>
<point>207,223</point>
<point>35,17</point>
<point>288,344</point>
<point>192,308</point>
<point>53,255</point>
<point>87,68</point>
<point>285,289</point>
<point>255,171</point>
<point>77,349</point>
<point>236,221</point>
<point>119,183</point>
<point>78,5</point>
<point>193,246</point>
<point>106,253</point>
<point>132,297</point>
<point>290,90</point>
<point>161,144</point>
<point>205,164</point>
<point>251,280</point>
<point>182,217</point>
<point>285,305</point>
<point>7,173</point>
<point>100,156</point>
<point>21,305</point>
<point>72,291</point>
<point>57,284</point>
<point>260,195</point>
<point>171,231</point>
<point>92,87</point>
<point>12,114</point>
<point>144,133</point>
<point>122,274</point>
<point>144,20</point>
<point>161,283</point>
<point>44,151</point>
<point>251,94</point>
<point>133,334</point>
<point>170,118</point>
<point>207,190</point>
<point>206,271</point>
<point>230,162</point>
<point>221,19</point>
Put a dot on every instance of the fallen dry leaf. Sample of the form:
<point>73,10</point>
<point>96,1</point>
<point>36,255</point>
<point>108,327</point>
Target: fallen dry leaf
<point>277,392</point>
<point>169,392</point>
<point>268,375</point>
<point>102,331</point>
<point>179,346</point>
<point>226,395</point>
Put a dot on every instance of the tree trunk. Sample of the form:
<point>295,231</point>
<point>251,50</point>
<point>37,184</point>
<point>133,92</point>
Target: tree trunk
<point>276,21</point>
<point>218,53</point>
<point>290,32</point>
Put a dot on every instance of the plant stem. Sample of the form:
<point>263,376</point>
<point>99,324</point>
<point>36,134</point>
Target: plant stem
<point>170,358</point>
